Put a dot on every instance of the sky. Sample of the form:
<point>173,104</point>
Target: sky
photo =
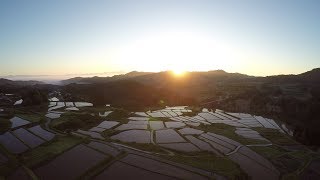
<point>82,37</point>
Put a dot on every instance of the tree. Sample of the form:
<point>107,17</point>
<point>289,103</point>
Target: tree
<point>33,96</point>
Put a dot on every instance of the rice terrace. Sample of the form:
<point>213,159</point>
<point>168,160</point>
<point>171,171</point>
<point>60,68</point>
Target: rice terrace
<point>160,89</point>
<point>179,142</point>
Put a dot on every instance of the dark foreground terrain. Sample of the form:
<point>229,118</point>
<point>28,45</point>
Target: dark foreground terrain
<point>232,126</point>
<point>294,99</point>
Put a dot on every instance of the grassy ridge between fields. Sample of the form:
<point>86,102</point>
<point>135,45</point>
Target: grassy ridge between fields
<point>49,150</point>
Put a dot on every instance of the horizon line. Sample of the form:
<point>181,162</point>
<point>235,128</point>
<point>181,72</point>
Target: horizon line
<point>113,73</point>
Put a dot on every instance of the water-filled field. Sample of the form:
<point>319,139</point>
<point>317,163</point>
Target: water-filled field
<point>39,131</point>
<point>70,164</point>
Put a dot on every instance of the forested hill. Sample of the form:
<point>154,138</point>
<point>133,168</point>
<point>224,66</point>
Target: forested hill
<point>18,83</point>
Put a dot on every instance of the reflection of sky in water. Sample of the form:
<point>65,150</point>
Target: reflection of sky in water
<point>12,144</point>
<point>16,122</point>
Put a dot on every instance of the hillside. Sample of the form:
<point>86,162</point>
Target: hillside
<point>167,115</point>
<point>96,79</point>
<point>200,85</point>
<point>294,99</point>
<point>124,93</point>
<point>18,83</point>
<point>213,85</point>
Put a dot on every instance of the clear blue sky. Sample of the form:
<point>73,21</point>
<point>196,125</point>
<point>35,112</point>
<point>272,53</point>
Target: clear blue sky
<point>76,37</point>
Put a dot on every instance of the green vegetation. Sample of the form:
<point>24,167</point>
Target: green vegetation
<point>195,111</point>
<point>30,173</point>
<point>126,93</point>
<point>34,96</point>
<point>190,114</point>
<point>96,168</point>
<point>302,154</point>
<point>276,137</point>
<point>289,163</point>
<point>154,119</point>
<point>32,117</point>
<point>149,108</point>
<point>269,152</point>
<point>228,131</point>
<point>290,176</point>
<point>210,162</point>
<point>96,109</point>
<point>117,114</point>
<point>109,132</point>
<point>303,159</point>
<point>50,150</point>
<point>10,166</point>
<point>164,119</point>
<point>75,120</point>
<point>5,125</point>
<point>144,147</point>
<point>296,104</point>
<point>120,115</point>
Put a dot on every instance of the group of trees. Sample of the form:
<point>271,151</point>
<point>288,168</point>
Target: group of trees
<point>34,96</point>
<point>302,114</point>
<point>128,94</point>
<point>73,121</point>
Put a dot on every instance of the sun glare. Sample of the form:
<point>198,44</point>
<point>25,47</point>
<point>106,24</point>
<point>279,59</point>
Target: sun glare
<point>171,50</point>
<point>178,72</point>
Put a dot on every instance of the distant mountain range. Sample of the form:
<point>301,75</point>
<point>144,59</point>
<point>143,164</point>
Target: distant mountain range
<point>18,83</point>
<point>96,79</point>
<point>215,75</point>
<point>200,85</point>
<point>294,99</point>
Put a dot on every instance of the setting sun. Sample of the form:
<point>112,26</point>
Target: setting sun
<point>172,49</point>
<point>178,72</point>
<point>160,89</point>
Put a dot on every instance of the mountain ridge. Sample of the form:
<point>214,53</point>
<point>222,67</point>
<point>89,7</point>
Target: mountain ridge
<point>4,81</point>
<point>311,76</point>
